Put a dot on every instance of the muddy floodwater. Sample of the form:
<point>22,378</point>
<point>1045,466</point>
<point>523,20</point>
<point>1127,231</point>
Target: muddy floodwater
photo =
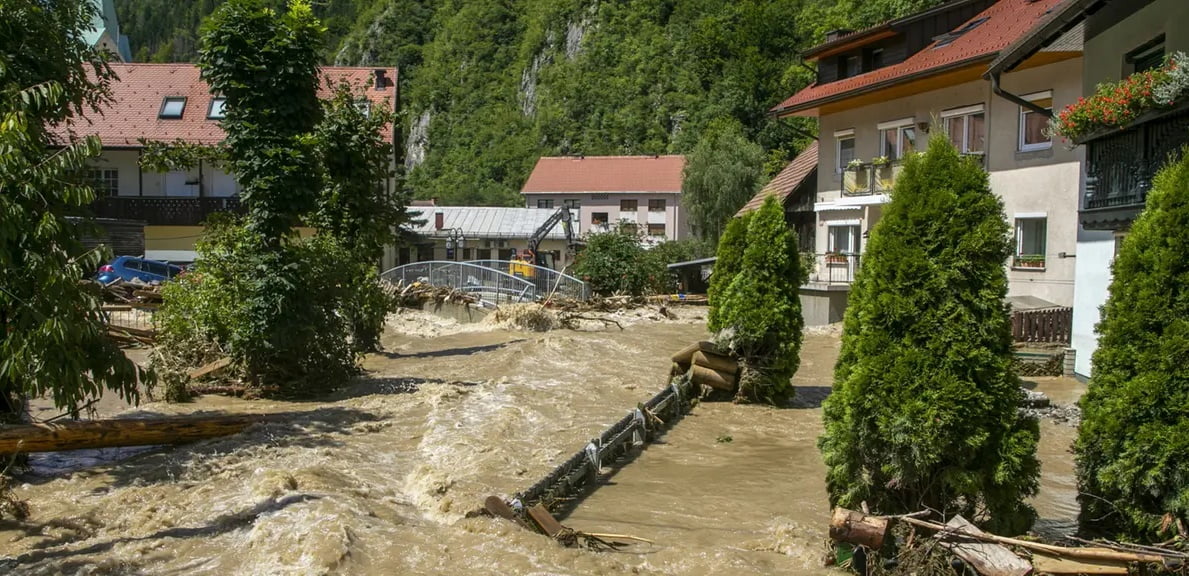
<point>378,478</point>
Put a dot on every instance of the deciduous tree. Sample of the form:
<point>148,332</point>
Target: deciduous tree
<point>722,173</point>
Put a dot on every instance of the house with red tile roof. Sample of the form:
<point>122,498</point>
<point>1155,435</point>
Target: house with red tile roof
<point>640,191</point>
<point>168,103</point>
<point>795,187</point>
<point>882,92</point>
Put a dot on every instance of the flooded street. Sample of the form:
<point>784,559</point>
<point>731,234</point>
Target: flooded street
<point>378,478</point>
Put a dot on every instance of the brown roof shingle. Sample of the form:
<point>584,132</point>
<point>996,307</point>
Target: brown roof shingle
<point>138,93</point>
<point>606,174</point>
<point>787,181</point>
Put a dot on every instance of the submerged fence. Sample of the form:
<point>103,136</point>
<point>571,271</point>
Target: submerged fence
<point>1053,325</point>
<point>493,281</point>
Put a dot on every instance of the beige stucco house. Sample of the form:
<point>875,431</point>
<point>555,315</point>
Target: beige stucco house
<point>881,93</point>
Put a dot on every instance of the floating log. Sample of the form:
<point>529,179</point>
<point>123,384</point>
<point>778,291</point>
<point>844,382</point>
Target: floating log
<point>858,528</point>
<point>210,368</point>
<point>712,378</point>
<point>685,356</point>
<point>548,524</point>
<point>987,558</point>
<point>715,362</point>
<point>126,432</point>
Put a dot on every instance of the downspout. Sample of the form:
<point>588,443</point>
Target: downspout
<point>999,91</point>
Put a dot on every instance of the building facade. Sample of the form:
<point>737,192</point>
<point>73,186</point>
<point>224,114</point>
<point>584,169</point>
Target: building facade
<point>1120,37</point>
<point>468,233</point>
<point>882,93</point>
<point>170,103</point>
<point>643,192</point>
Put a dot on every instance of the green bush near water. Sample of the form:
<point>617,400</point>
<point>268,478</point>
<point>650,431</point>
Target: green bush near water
<point>1133,445</point>
<point>924,411</point>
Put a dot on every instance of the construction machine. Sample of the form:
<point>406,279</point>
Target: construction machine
<point>532,254</point>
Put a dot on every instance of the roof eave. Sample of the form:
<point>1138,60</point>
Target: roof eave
<point>1056,24</point>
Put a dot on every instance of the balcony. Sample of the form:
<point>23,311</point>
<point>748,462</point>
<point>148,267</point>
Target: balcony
<point>1121,164</point>
<point>159,211</point>
<point>832,268</point>
<point>870,179</point>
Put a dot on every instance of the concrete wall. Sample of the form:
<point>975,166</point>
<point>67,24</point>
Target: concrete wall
<point>1096,250</point>
<point>1030,183</point>
<point>207,180</point>
<point>673,217</point>
<point>823,305</point>
<point>1105,54</point>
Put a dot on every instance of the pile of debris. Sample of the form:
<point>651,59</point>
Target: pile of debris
<point>133,292</point>
<point>912,544</point>
<point>417,294</point>
<point>708,366</point>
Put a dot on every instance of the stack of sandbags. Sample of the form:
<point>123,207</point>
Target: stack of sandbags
<point>707,365</point>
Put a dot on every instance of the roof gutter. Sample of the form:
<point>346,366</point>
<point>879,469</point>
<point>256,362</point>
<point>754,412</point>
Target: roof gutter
<point>1014,99</point>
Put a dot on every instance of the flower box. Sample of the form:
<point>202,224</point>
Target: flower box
<point>836,259</point>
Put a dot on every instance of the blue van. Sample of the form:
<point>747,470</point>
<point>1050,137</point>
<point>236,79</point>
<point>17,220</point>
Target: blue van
<point>127,268</point>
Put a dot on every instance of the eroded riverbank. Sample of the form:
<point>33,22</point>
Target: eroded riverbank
<point>378,478</point>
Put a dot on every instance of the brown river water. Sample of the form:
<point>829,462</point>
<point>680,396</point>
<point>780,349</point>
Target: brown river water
<point>377,479</point>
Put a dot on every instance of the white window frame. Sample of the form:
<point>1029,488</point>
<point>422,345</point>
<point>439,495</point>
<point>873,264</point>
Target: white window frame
<point>1020,218</point>
<point>854,237</point>
<point>211,113</point>
<point>165,104</point>
<point>1024,112</point>
<point>839,136</point>
<point>965,113</point>
<point>105,181</point>
<point>898,126</point>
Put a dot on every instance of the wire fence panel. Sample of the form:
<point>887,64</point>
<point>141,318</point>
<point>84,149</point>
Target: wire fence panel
<point>489,285</point>
<point>546,280</point>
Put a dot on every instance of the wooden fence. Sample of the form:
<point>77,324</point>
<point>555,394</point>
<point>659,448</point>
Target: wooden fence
<point>1048,325</point>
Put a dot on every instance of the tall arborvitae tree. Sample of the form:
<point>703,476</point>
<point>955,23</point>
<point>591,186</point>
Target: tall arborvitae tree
<point>924,412</point>
<point>729,259</point>
<point>760,310</point>
<point>1133,445</point>
<point>53,338</point>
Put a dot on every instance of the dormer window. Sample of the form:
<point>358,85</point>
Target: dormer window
<point>364,106</point>
<point>947,39</point>
<point>216,112</point>
<point>849,66</point>
<point>173,107</point>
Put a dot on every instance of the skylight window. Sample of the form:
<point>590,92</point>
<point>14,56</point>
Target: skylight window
<point>947,39</point>
<point>216,110</point>
<point>364,106</point>
<point>173,106</point>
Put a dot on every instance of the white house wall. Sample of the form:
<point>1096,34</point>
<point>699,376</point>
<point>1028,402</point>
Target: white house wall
<point>1028,182</point>
<point>673,217</point>
<point>1105,54</point>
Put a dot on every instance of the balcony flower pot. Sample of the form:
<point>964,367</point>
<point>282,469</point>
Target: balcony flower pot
<point>836,258</point>
<point>1030,262</point>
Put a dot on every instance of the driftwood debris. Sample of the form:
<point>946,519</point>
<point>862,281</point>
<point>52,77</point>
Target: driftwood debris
<point>1051,564</point>
<point>712,378</point>
<point>210,369</point>
<point>715,362</point>
<point>125,432</point>
<point>685,356</point>
<point>858,528</point>
<point>987,558</point>
<point>707,366</point>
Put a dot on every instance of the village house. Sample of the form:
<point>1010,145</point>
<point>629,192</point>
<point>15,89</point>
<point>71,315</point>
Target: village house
<point>170,103</point>
<point>642,192</point>
<point>469,233</point>
<point>1121,38</point>
<point>882,92</point>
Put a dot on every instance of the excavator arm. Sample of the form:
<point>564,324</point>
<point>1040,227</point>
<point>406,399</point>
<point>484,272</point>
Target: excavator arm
<point>563,216</point>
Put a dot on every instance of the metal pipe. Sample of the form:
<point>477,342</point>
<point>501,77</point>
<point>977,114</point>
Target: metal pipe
<point>999,91</point>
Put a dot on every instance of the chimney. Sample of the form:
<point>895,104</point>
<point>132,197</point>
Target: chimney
<point>836,34</point>
<point>381,79</point>
<point>439,220</point>
<point>433,201</point>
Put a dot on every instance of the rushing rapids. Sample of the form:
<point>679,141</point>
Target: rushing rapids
<point>378,478</point>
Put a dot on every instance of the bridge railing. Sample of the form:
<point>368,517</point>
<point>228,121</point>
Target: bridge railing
<point>490,285</point>
<point>545,280</point>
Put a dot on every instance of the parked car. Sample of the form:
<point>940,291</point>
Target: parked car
<point>128,268</point>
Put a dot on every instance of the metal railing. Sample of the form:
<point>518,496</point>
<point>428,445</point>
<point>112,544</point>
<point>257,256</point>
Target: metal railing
<point>545,280</point>
<point>870,179</point>
<point>832,268</point>
<point>165,211</point>
<point>489,285</point>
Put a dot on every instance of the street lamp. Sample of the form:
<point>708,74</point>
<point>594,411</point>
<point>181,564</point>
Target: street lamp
<point>454,241</point>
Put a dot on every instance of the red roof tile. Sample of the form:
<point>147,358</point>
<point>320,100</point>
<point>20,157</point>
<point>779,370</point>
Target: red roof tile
<point>787,181</point>
<point>138,93</point>
<point>1007,21</point>
<point>606,174</point>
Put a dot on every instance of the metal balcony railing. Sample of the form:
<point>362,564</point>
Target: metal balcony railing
<point>832,268</point>
<point>870,179</point>
<point>165,211</point>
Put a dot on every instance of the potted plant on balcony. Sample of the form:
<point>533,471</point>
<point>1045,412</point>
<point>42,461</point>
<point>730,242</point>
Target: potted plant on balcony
<point>855,179</point>
<point>1117,104</point>
<point>854,165</point>
<point>1030,261</point>
<point>835,258</point>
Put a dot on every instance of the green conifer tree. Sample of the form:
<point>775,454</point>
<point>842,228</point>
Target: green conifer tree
<point>1133,444</point>
<point>729,259</point>
<point>760,310</point>
<point>924,412</point>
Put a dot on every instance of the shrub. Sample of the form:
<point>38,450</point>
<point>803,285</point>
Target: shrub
<point>1133,446</point>
<point>726,266</point>
<point>671,252</point>
<point>924,411</point>
<point>616,263</point>
<point>761,310</point>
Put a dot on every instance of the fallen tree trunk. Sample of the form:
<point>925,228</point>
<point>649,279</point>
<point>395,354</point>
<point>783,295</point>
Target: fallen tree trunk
<point>715,362</point>
<point>130,432</point>
<point>712,378</point>
<point>858,528</point>
<point>685,356</point>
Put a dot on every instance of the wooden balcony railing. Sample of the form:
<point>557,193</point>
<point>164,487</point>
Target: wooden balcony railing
<point>158,211</point>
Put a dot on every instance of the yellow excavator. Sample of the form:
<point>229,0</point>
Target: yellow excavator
<point>521,265</point>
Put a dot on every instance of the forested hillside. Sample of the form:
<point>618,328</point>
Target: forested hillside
<point>490,85</point>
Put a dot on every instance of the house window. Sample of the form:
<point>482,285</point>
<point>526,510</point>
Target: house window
<point>364,106</point>
<point>627,205</point>
<point>897,139</point>
<point>656,229</point>
<point>877,59</point>
<point>106,182</point>
<point>544,203</point>
<point>656,205</point>
<point>572,204</point>
<point>1150,56</point>
<point>599,196</point>
<point>216,112</point>
<point>172,107</point>
<point>843,238</point>
<point>846,148</point>
<point>629,227</point>
<point>967,128</point>
<point>1033,125</point>
<point>851,66</point>
<point>1030,242</point>
<point>948,38</point>
<point>598,218</point>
